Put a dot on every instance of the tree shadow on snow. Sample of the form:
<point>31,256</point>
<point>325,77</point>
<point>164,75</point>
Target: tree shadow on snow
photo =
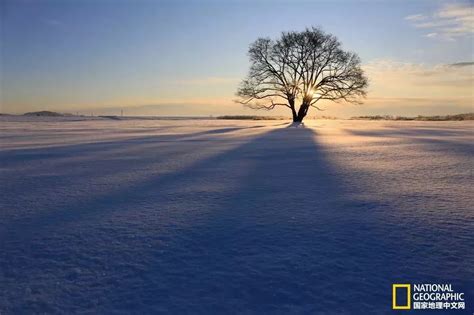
<point>266,227</point>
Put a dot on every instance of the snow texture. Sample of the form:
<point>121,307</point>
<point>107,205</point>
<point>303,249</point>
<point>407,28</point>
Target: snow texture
<point>211,216</point>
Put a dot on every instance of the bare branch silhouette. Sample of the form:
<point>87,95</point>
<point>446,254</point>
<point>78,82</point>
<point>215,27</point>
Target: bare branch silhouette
<point>303,67</point>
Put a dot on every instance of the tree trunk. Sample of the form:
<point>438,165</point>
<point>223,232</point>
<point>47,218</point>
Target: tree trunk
<point>301,113</point>
<point>292,106</point>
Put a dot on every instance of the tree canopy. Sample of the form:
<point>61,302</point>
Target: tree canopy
<point>301,67</point>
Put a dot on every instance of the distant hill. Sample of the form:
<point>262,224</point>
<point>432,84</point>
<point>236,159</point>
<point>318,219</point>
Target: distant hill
<point>44,113</point>
<point>458,117</point>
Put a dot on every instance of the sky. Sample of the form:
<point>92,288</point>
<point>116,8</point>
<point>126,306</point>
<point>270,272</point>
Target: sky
<point>188,57</point>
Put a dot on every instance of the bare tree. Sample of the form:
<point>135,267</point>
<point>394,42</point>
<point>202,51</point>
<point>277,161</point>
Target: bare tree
<point>301,67</point>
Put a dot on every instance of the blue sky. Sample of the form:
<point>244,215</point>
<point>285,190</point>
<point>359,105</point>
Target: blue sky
<point>187,57</point>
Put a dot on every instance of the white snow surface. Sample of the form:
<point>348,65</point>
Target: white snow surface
<point>218,216</point>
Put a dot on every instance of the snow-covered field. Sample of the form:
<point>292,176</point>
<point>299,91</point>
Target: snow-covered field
<point>213,216</point>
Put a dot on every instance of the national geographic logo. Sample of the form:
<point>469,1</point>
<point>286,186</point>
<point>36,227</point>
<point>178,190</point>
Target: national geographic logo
<point>428,296</point>
<point>397,291</point>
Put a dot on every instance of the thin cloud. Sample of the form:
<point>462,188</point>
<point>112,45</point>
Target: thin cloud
<point>431,35</point>
<point>208,81</point>
<point>450,22</point>
<point>392,79</point>
<point>462,64</point>
<point>415,17</point>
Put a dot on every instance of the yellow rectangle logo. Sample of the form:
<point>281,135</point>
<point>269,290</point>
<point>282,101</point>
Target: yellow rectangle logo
<point>394,296</point>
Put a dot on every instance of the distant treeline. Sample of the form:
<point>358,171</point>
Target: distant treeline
<point>250,117</point>
<point>468,116</point>
<point>255,117</point>
<point>458,117</point>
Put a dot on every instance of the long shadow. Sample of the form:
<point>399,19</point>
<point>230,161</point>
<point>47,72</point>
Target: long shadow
<point>51,229</point>
<point>289,239</point>
<point>57,151</point>
<point>268,227</point>
<point>85,165</point>
<point>435,139</point>
<point>76,166</point>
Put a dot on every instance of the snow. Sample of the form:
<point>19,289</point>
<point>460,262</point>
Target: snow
<point>217,216</point>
